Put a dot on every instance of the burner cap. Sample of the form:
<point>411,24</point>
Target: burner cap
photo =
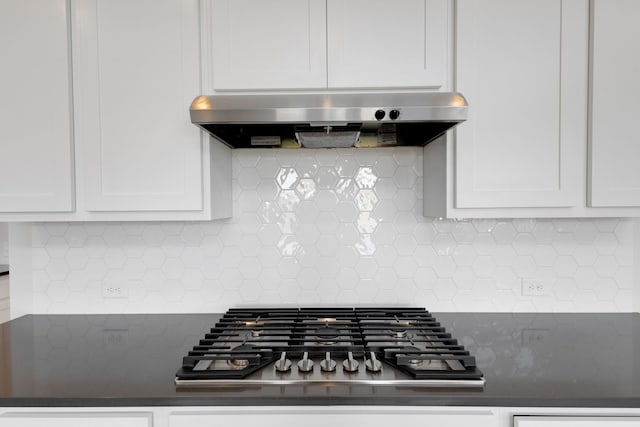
<point>327,333</point>
<point>240,363</point>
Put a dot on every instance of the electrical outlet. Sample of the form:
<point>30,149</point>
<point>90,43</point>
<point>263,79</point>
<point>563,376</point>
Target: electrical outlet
<point>533,288</point>
<point>110,290</point>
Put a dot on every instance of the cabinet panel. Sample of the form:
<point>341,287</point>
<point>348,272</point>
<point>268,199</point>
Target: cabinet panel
<point>136,71</point>
<point>35,107</point>
<point>323,418</point>
<point>377,43</point>
<point>522,66</point>
<point>576,421</point>
<point>259,44</point>
<point>615,89</point>
<point>74,420</point>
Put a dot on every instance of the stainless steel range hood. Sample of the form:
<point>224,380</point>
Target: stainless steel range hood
<point>329,120</point>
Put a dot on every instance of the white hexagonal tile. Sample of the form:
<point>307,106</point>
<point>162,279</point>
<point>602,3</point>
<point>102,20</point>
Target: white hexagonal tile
<point>405,244</point>
<point>307,166</point>
<point>606,243</point>
<point>545,255</point>
<point>192,235</point>
<point>405,200</point>
<point>366,200</point>
<point>444,266</point>
<point>327,222</point>
<point>152,235</point>
<point>286,178</point>
<point>365,245</point>
<point>326,201</point>
<point>39,258</point>
<point>267,167</point>
<point>77,258</point>
<point>384,233</point>
<point>585,255</point>
<point>347,278</point>
<point>585,232</point>
<point>248,179</point>
<point>327,178</point>
<point>347,234</point>
<point>326,157</point>
<point>386,256</point>
<point>505,278</point>
<point>75,236</point>
<point>385,210</point>
<point>346,166</point>
<point>464,255</point>
<point>306,188</point>
<point>365,223</point>
<point>445,289</point>
<point>57,269</point>
<point>346,189</point>
<point>385,278</point>
<point>484,225</point>
<point>366,267</point>
<point>585,278</point>
<point>56,247</point>
<point>385,167</point>
<point>524,244</point>
<point>288,200</point>
<point>504,233</point>
<point>115,258</point>
<point>134,269</point>
<point>605,289</point>
<point>269,212</point>
<point>524,266</point>
<point>307,212</point>
<point>405,267</point>
<point>606,265</point>
<point>444,244</point>
<point>328,245</point>
<point>405,177</point>
<point>405,156</point>
<point>308,278</point>
<point>77,281</point>
<point>366,178</point>
<point>288,222</point>
<point>484,266</point>
<point>565,289</point>
<point>251,268</point>
<point>56,228</point>
<point>424,255</point>
<point>173,268</point>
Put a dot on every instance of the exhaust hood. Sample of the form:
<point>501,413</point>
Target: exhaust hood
<point>328,120</point>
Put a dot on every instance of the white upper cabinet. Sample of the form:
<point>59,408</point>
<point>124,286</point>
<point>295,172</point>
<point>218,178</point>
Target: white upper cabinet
<point>315,44</point>
<point>522,67</point>
<point>136,71</point>
<point>381,43</point>
<point>35,107</point>
<point>258,44</point>
<point>614,148</point>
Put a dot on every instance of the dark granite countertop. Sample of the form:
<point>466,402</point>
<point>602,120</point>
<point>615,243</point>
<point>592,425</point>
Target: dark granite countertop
<point>546,360</point>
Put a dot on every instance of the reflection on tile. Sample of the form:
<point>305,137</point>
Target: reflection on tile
<point>333,227</point>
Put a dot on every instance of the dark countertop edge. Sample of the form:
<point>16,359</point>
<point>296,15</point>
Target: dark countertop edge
<point>559,402</point>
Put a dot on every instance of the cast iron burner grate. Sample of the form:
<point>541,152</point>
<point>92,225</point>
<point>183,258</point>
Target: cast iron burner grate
<point>373,346</point>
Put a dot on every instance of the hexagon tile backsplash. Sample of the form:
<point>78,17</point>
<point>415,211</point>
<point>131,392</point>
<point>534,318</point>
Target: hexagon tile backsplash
<point>315,227</point>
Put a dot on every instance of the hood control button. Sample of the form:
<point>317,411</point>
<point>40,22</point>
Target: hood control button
<point>380,114</point>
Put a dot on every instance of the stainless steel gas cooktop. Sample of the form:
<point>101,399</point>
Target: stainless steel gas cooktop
<point>373,346</point>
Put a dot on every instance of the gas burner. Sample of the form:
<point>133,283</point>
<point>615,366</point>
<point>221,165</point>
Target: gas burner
<point>240,363</point>
<point>330,347</point>
<point>327,335</point>
<point>398,333</point>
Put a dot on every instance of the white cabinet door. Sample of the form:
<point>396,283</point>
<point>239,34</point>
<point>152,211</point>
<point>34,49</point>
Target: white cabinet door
<point>258,44</point>
<point>44,419</point>
<point>523,67</point>
<point>380,43</point>
<point>615,93</point>
<point>35,107</point>
<point>313,417</point>
<point>544,421</point>
<point>136,71</point>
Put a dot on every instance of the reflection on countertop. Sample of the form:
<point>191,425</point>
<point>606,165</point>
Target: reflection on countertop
<point>113,360</point>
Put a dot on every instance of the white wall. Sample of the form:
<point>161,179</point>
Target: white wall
<point>328,227</point>
<point>4,243</point>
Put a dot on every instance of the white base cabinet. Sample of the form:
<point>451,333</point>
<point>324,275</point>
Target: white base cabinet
<point>576,421</point>
<point>78,419</point>
<point>320,416</point>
